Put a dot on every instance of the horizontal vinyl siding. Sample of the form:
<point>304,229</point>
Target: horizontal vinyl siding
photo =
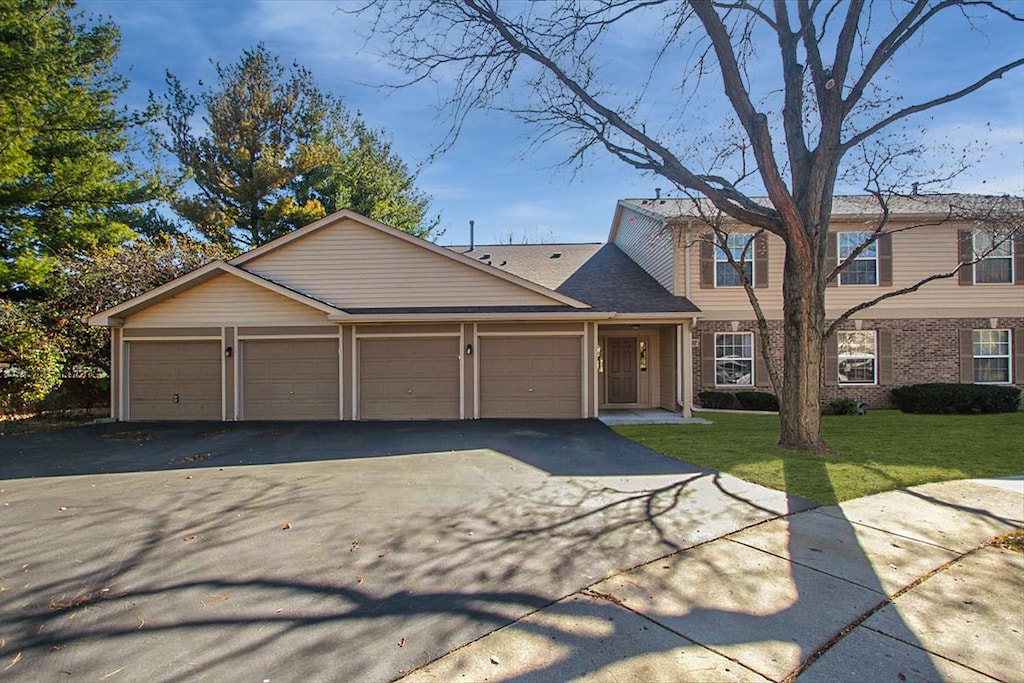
<point>916,254</point>
<point>648,243</point>
<point>354,266</point>
<point>226,300</point>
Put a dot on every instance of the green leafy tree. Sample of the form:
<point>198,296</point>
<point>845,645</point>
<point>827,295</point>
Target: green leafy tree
<point>63,141</point>
<point>277,153</point>
<point>30,356</point>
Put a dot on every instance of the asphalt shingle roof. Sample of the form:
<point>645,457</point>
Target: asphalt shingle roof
<point>600,275</point>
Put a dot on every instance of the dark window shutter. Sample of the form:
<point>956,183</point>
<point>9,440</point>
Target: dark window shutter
<point>832,361</point>
<point>967,356</point>
<point>884,250</point>
<point>832,257</point>
<point>761,378</point>
<point>1018,354</point>
<point>707,359</point>
<point>1018,257</point>
<point>761,261</point>
<point>707,263</point>
<point>884,356</point>
<point>965,254</point>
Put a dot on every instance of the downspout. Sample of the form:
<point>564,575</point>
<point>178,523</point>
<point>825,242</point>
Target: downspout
<point>687,353</point>
<point>686,257</point>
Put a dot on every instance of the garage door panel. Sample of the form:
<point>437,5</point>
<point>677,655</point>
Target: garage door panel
<point>531,377</point>
<point>290,379</point>
<point>174,381</point>
<point>409,378</point>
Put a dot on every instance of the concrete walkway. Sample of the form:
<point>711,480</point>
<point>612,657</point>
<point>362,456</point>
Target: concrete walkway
<point>648,416</point>
<point>900,586</point>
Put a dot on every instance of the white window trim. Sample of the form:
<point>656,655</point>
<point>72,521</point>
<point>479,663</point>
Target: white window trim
<point>1008,356</point>
<point>750,259</point>
<point>753,365</point>
<point>860,257</point>
<point>874,360</point>
<point>974,266</point>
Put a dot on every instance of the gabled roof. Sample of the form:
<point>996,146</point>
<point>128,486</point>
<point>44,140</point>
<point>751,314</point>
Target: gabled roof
<point>109,317</point>
<point>853,206</point>
<point>406,237</point>
<point>601,275</point>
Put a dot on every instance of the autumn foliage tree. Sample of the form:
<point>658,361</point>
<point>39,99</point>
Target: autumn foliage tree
<point>807,103</point>
<point>264,151</point>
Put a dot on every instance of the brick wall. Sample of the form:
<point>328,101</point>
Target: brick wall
<point>923,350</point>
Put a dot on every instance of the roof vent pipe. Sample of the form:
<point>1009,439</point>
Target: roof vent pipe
<point>657,193</point>
<point>471,235</point>
<point>913,189</point>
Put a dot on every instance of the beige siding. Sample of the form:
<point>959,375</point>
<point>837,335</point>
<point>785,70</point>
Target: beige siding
<point>352,265</point>
<point>648,243</point>
<point>226,300</point>
<point>916,254</point>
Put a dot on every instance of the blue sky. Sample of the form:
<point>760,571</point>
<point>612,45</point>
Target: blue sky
<point>489,176</point>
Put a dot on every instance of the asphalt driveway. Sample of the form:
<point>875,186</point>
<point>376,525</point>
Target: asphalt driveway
<point>322,551</point>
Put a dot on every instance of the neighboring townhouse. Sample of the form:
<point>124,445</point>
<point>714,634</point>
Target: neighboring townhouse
<point>969,328</point>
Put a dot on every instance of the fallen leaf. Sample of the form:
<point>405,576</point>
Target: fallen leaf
<point>401,643</point>
<point>355,545</point>
<point>494,659</point>
<point>17,658</point>
<point>55,648</point>
<point>286,525</point>
<point>115,671</point>
<point>142,622</point>
<point>279,610</point>
<point>213,599</point>
<point>63,507</point>
<point>359,578</point>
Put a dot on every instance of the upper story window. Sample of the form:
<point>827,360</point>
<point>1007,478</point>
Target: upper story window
<point>995,254</point>
<point>725,274</point>
<point>734,359</point>
<point>857,362</point>
<point>991,351</point>
<point>863,270</point>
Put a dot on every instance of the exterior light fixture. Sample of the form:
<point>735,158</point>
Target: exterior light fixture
<point>469,349</point>
<point>227,352</point>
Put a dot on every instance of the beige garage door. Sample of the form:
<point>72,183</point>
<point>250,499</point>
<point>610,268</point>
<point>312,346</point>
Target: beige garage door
<point>290,379</point>
<point>530,377</point>
<point>174,380</point>
<point>412,378</point>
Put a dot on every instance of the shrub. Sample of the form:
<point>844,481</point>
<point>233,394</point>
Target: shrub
<point>844,406</point>
<point>718,399</point>
<point>757,400</point>
<point>956,398</point>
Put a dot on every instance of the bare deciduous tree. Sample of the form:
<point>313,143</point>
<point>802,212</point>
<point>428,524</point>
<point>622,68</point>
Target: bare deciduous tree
<point>807,103</point>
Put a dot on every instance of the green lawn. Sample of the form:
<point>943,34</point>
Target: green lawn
<point>880,451</point>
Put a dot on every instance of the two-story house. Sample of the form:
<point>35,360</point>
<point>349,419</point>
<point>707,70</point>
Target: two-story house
<point>348,319</point>
<point>966,328</point>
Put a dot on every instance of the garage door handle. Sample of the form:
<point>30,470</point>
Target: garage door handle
<point>409,392</point>
<point>530,390</point>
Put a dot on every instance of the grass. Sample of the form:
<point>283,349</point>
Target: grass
<point>881,451</point>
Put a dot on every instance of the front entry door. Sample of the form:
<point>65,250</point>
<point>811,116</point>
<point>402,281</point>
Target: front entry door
<point>621,369</point>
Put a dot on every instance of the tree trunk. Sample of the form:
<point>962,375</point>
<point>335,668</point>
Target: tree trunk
<point>804,317</point>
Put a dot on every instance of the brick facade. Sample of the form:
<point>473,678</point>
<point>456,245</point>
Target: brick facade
<point>923,350</point>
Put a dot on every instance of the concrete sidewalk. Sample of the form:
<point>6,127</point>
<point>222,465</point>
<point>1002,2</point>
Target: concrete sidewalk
<point>900,586</point>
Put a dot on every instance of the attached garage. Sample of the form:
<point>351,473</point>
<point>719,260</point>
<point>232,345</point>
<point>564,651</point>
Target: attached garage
<point>290,379</point>
<point>409,378</point>
<point>174,380</point>
<point>531,377</point>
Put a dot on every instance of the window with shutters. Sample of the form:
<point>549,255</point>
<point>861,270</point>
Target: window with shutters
<point>734,359</point>
<point>857,357</point>
<point>991,350</point>
<point>995,258</point>
<point>863,270</point>
<point>725,274</point>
